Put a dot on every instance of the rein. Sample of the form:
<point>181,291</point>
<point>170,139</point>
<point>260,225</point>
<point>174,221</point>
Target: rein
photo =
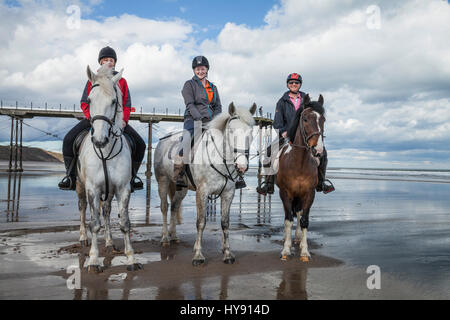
<point>111,123</point>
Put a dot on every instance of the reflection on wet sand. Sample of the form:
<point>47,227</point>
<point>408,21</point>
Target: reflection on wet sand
<point>173,277</point>
<point>13,201</point>
<point>293,285</point>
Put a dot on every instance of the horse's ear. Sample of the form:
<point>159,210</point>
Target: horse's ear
<point>307,99</point>
<point>90,74</point>
<point>253,109</point>
<point>232,109</point>
<point>321,101</point>
<point>117,77</point>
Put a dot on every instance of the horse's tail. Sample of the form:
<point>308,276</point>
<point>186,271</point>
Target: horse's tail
<point>296,206</point>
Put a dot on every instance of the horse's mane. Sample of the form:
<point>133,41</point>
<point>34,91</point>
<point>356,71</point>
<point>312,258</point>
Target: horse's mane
<point>220,121</point>
<point>103,78</point>
<point>314,105</point>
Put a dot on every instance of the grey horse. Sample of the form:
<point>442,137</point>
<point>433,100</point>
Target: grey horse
<point>218,157</point>
<point>106,140</point>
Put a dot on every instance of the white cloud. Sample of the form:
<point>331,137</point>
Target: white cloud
<point>383,88</point>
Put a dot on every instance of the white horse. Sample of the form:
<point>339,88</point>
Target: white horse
<point>220,155</point>
<point>98,183</point>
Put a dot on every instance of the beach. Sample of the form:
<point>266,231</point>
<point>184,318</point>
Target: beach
<point>397,220</point>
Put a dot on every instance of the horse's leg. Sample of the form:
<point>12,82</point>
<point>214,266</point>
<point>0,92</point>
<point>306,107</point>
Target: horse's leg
<point>123,200</point>
<point>201,199</point>
<point>288,222</point>
<point>179,214</point>
<point>163,187</point>
<point>106,216</point>
<point>172,192</point>
<point>304,223</point>
<point>174,208</point>
<point>298,234</point>
<point>94,205</point>
<point>226,200</point>
<point>82,205</point>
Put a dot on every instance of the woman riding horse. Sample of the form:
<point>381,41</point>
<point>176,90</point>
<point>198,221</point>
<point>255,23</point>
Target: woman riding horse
<point>202,105</point>
<point>285,112</point>
<point>106,56</point>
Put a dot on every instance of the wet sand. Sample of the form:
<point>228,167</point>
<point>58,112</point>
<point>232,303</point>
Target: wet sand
<point>364,223</point>
<point>34,266</point>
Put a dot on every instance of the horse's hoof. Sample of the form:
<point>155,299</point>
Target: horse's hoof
<point>198,262</point>
<point>95,269</point>
<point>304,259</point>
<point>176,241</point>
<point>284,258</point>
<point>135,267</point>
<point>165,244</point>
<point>229,260</point>
<point>84,243</point>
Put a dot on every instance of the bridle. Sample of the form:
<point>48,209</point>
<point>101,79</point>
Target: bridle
<point>303,133</point>
<point>99,153</point>
<point>240,152</point>
<point>111,122</point>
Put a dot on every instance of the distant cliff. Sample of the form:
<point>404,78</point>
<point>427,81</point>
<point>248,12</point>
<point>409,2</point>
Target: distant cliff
<point>32,154</point>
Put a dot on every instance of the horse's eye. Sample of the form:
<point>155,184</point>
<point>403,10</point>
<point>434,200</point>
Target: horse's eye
<point>114,101</point>
<point>88,100</point>
<point>306,120</point>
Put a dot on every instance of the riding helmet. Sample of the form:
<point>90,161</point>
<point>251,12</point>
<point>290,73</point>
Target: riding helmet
<point>200,61</point>
<point>294,76</point>
<point>107,52</point>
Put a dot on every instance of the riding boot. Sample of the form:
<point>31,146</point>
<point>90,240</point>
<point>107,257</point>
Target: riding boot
<point>136,182</point>
<point>178,173</point>
<point>324,185</point>
<point>268,186</point>
<point>69,182</point>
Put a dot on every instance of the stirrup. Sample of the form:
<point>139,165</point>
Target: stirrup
<point>240,183</point>
<point>324,187</point>
<point>328,188</point>
<point>67,184</point>
<point>137,185</point>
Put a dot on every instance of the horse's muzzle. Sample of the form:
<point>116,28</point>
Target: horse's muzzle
<point>241,169</point>
<point>100,144</point>
<point>316,153</point>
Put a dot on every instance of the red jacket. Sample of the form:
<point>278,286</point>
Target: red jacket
<point>126,103</point>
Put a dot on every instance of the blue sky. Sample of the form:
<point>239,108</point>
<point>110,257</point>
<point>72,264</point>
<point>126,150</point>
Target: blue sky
<point>204,14</point>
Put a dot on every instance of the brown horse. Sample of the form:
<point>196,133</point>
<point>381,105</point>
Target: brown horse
<point>297,175</point>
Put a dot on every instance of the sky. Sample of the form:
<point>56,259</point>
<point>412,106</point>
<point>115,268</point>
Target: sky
<point>383,67</point>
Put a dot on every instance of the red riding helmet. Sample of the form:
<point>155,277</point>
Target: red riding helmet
<point>294,76</point>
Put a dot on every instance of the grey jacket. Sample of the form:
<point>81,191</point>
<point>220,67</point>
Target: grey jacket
<point>196,100</point>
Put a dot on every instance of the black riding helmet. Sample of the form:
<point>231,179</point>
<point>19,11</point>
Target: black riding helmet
<point>294,76</point>
<point>200,61</point>
<point>107,52</point>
